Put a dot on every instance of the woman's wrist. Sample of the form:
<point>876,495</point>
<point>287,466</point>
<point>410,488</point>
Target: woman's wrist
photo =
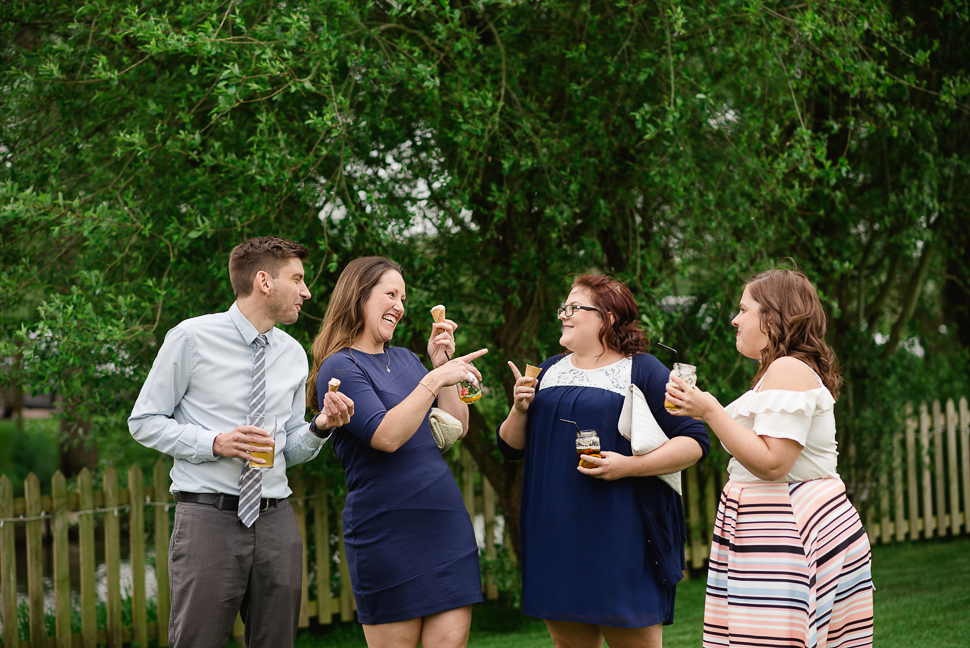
<point>431,384</point>
<point>429,388</point>
<point>516,414</point>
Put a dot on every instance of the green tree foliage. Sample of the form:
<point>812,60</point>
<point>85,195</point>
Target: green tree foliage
<point>493,148</point>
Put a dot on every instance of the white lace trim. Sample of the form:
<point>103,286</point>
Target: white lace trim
<point>615,377</point>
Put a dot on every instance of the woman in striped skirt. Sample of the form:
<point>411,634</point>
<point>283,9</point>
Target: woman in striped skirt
<point>790,561</point>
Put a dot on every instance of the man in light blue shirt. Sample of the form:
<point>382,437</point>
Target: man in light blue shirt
<point>210,373</point>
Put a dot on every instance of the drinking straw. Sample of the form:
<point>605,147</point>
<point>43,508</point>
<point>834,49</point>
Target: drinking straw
<point>574,423</point>
<point>669,349</point>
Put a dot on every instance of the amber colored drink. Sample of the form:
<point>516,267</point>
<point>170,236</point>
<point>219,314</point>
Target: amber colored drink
<point>268,423</point>
<point>592,452</point>
<point>268,456</point>
<point>587,444</point>
<point>685,372</point>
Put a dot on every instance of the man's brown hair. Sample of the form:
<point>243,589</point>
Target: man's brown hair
<point>266,253</point>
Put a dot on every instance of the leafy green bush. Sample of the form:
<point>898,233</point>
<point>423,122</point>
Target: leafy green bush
<point>34,450</point>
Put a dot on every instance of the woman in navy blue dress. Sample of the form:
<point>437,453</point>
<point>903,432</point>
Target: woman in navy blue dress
<point>409,541</point>
<point>602,547</point>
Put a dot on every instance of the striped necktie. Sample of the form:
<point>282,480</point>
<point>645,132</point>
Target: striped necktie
<point>251,479</point>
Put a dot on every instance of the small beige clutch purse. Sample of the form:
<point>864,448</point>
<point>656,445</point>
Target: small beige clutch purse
<point>445,428</point>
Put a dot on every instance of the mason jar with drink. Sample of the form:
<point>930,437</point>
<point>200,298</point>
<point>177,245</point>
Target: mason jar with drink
<point>587,444</point>
<point>469,390</point>
<point>687,373</point>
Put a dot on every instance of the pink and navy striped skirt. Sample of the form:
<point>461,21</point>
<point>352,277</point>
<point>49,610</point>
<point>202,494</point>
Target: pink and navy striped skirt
<point>790,567</point>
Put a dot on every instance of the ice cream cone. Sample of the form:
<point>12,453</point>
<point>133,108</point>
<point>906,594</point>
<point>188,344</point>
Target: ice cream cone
<point>438,313</point>
<point>334,384</point>
<point>532,372</point>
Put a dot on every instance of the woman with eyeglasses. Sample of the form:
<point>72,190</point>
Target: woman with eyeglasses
<point>602,547</point>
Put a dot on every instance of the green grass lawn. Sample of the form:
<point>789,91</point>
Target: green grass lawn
<point>922,600</point>
<point>923,595</point>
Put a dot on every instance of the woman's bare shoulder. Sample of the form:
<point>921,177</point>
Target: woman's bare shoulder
<point>789,374</point>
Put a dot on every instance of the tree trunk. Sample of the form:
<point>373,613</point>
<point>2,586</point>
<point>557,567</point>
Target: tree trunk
<point>76,448</point>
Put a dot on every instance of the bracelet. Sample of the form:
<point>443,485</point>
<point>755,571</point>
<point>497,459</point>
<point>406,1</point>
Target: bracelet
<point>429,389</point>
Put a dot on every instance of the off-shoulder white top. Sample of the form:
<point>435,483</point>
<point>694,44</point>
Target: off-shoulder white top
<point>805,417</point>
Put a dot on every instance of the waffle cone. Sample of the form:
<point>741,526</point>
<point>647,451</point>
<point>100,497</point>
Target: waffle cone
<point>333,385</point>
<point>532,372</point>
<point>438,313</point>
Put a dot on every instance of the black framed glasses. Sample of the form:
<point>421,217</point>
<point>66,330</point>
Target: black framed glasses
<point>570,309</point>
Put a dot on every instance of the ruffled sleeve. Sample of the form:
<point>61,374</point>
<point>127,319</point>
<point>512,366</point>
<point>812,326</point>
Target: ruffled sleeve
<point>781,414</point>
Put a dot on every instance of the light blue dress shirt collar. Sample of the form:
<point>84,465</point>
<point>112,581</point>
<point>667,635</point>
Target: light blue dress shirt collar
<point>246,328</point>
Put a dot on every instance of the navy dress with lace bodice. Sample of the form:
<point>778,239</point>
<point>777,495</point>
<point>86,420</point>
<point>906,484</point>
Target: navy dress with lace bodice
<point>595,551</point>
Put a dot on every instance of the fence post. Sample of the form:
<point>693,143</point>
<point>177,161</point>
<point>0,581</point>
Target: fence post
<point>951,460</point>
<point>8,564</point>
<point>321,545</point>
<point>915,523</point>
<point>883,480</point>
<point>239,630</point>
<point>89,601</point>
<point>924,439</point>
<point>900,514</point>
<point>939,425</point>
<point>161,497</point>
<point>711,499</point>
<point>299,510</point>
<point>136,539</point>
<point>694,531</point>
<point>35,561</point>
<point>468,482</point>
<point>965,444</point>
<point>62,568</point>
<point>488,512</point>
<point>112,557</point>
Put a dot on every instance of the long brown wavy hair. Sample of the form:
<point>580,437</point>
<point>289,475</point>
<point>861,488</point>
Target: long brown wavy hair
<point>610,296</point>
<point>344,320</point>
<point>793,319</point>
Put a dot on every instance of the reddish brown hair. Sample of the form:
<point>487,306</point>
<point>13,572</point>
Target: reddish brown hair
<point>610,296</point>
<point>793,319</point>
